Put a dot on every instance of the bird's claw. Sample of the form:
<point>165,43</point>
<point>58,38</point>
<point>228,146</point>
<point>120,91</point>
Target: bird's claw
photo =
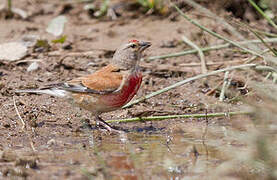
<point>108,127</point>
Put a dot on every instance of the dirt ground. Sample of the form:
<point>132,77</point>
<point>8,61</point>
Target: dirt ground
<point>66,142</point>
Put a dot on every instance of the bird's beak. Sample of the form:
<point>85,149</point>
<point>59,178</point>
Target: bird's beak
<point>144,45</point>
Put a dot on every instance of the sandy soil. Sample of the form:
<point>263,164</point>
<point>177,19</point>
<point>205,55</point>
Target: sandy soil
<point>67,143</point>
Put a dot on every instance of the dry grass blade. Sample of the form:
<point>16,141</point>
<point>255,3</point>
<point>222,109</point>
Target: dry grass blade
<point>211,48</point>
<point>267,45</point>
<point>257,34</point>
<point>251,59</point>
<point>221,21</point>
<point>17,112</point>
<point>214,89</point>
<point>269,59</point>
<point>262,13</point>
<point>268,34</point>
<point>180,83</point>
<point>224,86</point>
<point>24,128</point>
<point>200,53</point>
<point>266,68</point>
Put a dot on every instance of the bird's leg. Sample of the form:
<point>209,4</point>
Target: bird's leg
<point>101,122</point>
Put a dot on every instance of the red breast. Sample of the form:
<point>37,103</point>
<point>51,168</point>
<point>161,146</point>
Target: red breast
<point>127,92</point>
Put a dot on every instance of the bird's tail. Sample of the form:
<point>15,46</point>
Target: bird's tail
<point>53,92</point>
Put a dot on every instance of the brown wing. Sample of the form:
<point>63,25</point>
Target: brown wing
<point>107,79</point>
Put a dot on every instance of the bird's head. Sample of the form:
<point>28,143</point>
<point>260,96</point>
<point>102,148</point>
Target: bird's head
<point>128,55</point>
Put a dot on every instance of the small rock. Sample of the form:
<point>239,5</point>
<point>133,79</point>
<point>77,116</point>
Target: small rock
<point>6,125</point>
<point>34,66</point>
<point>33,123</point>
<point>20,12</point>
<point>67,46</point>
<point>27,163</point>
<point>12,51</point>
<point>29,40</point>
<point>7,156</point>
<point>11,172</point>
<point>169,44</point>
<point>51,142</point>
<point>2,85</point>
<point>66,8</point>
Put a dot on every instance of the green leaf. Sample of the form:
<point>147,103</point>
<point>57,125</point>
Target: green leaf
<point>61,40</point>
<point>103,9</point>
<point>42,44</point>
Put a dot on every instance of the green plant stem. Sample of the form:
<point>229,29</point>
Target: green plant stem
<point>262,13</point>
<point>266,45</point>
<point>257,34</point>
<point>221,21</point>
<point>268,34</point>
<point>180,83</point>
<point>206,49</point>
<point>10,6</point>
<point>266,68</point>
<point>254,57</point>
<point>160,118</point>
<point>217,35</point>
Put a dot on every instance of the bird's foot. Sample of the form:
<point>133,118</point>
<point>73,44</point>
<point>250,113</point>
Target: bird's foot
<point>111,130</point>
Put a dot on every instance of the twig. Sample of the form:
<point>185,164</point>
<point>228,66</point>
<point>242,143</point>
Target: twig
<point>221,21</point>
<point>266,45</point>
<point>274,75</point>
<point>271,59</point>
<point>32,143</point>
<point>224,86</point>
<point>268,34</point>
<point>262,13</point>
<point>200,53</point>
<point>29,60</point>
<point>215,88</point>
<point>210,48</point>
<point>17,112</point>
<point>254,57</point>
<point>266,68</point>
<point>258,36</point>
<point>24,126</point>
<point>267,76</point>
<point>160,118</point>
<point>180,83</point>
<point>231,75</point>
<point>216,17</point>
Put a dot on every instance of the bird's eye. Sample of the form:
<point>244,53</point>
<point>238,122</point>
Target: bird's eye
<point>133,46</point>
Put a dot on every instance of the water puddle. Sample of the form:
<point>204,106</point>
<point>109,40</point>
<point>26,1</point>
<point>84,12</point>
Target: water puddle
<point>192,151</point>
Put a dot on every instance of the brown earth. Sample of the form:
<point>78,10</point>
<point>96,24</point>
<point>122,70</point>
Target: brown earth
<point>68,145</point>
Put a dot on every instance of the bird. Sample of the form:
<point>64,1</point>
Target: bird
<point>108,88</point>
